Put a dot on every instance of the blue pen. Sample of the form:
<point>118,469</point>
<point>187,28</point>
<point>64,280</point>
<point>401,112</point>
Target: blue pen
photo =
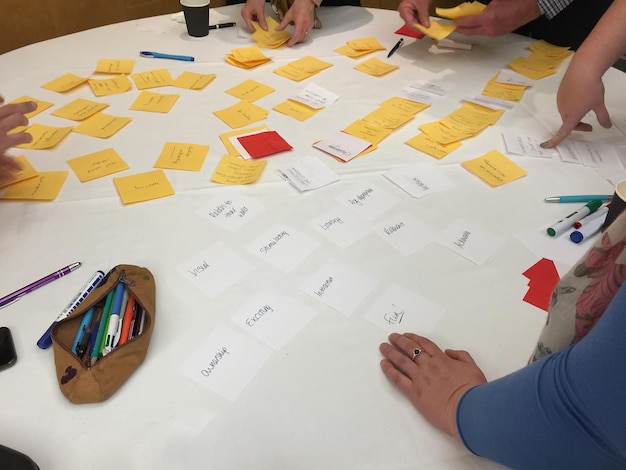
<point>46,341</point>
<point>579,198</point>
<point>82,330</point>
<point>160,55</point>
<point>114,318</point>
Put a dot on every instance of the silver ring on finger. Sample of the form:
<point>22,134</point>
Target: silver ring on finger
<point>416,352</point>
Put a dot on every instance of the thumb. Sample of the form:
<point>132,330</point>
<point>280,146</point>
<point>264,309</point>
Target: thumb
<point>602,114</point>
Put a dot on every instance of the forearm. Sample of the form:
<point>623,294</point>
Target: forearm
<point>605,44</point>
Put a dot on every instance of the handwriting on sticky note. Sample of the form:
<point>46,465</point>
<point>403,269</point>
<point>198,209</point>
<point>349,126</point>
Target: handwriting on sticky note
<point>494,168</point>
<point>96,165</point>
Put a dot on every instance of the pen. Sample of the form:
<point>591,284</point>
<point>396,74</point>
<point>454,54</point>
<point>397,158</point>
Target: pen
<point>128,319</point>
<point>579,198</point>
<point>587,230</point>
<point>82,330</point>
<point>45,341</point>
<point>222,25</point>
<point>594,215</point>
<point>85,340</point>
<point>7,299</point>
<point>569,221</point>
<point>395,48</point>
<point>160,55</point>
<point>114,318</point>
<point>102,328</point>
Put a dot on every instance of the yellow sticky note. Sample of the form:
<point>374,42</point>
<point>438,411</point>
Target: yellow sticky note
<point>296,110</point>
<point>41,105</point>
<point>101,125</point>
<point>115,66</point>
<point>403,105</point>
<point>503,91</point>
<point>271,38</point>
<point>532,67</point>
<point>180,156</point>
<point>96,165</point>
<point>143,187</point>
<point>235,170</point>
<point>388,117</point>
<point>79,109</point>
<point>375,67</point>
<point>367,131</point>
<point>370,44</point>
<point>437,30</point>
<point>247,57</point>
<point>481,113</point>
<point>46,186</point>
<point>549,50</point>
<point>154,102</point>
<point>45,137</point>
<point>110,86</point>
<point>292,74</point>
<point>64,83</point>
<point>442,134</point>
<point>431,147</point>
<point>463,122</point>
<point>349,52</point>
<point>193,80</point>
<point>230,148</point>
<point>464,9</point>
<point>27,171</point>
<point>310,64</point>
<point>152,79</point>
<point>250,90</point>
<point>494,168</point>
<point>241,114</point>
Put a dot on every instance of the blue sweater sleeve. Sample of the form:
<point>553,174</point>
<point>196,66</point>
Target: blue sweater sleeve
<point>567,410</point>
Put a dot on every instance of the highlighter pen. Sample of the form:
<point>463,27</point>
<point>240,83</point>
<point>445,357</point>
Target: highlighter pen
<point>114,318</point>
<point>104,321</point>
<point>222,25</point>
<point>579,198</point>
<point>587,230</point>
<point>568,222</point>
<point>603,211</point>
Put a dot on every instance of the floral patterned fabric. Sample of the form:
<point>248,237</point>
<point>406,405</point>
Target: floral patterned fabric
<point>582,295</point>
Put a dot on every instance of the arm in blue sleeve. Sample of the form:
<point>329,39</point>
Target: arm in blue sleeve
<point>564,411</point>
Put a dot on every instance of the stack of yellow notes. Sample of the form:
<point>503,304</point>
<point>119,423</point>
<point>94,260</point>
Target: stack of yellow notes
<point>375,67</point>
<point>436,30</point>
<point>302,68</point>
<point>360,47</point>
<point>464,9</point>
<point>271,38</point>
<point>247,57</point>
<point>544,60</point>
<point>503,91</point>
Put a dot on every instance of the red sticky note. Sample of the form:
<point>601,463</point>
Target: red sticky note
<point>543,278</point>
<point>264,144</point>
<point>406,31</point>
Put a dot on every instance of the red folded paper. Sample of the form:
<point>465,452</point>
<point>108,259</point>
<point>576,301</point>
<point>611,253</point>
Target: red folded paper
<point>264,144</point>
<point>543,278</point>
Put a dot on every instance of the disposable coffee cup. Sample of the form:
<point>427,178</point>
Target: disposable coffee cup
<point>196,17</point>
<point>618,204</point>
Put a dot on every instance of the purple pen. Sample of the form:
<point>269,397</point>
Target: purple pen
<point>6,300</point>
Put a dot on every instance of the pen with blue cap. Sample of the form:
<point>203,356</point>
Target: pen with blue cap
<point>160,55</point>
<point>579,198</point>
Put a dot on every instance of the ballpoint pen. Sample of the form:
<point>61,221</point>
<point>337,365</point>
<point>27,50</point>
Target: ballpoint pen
<point>396,47</point>
<point>45,341</point>
<point>222,25</point>
<point>579,198</point>
<point>160,55</point>
<point>14,296</point>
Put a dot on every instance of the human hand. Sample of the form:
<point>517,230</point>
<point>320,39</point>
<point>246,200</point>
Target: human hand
<point>414,11</point>
<point>302,15</point>
<point>11,117</point>
<point>579,93</point>
<point>498,18</point>
<point>254,10</point>
<point>434,381</point>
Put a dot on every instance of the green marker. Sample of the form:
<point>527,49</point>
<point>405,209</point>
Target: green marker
<point>569,221</point>
<point>104,321</point>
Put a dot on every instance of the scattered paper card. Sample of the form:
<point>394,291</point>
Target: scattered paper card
<point>64,83</point>
<point>399,310</point>
<point>101,125</point>
<point>343,146</point>
<point>308,173</point>
<point>112,86</point>
<point>215,269</point>
<point>339,286</point>
<point>494,168</point>
<point>471,240</point>
<point>241,114</point>
<point>79,109</point>
<point>273,317</point>
<point>341,226</point>
<point>367,199</point>
<point>526,145</point>
<point>283,246</point>
<point>152,79</point>
<point>115,66</point>
<point>250,90</point>
<point>405,232</point>
<point>264,144</point>
<point>231,211</point>
<point>419,179</point>
<point>154,102</point>
<point>315,97</point>
<point>193,80</point>
<point>226,362</point>
<point>143,187</point>
<point>45,137</point>
<point>376,67</point>
<point>46,186</point>
<point>96,165</point>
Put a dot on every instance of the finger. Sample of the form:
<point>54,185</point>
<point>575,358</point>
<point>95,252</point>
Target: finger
<point>427,345</point>
<point>405,344</point>
<point>559,137</point>
<point>10,163</point>
<point>13,140</point>
<point>17,108</point>
<point>394,375</point>
<point>602,114</point>
<point>11,122</point>
<point>399,359</point>
<point>460,355</point>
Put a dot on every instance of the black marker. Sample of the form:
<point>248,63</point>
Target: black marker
<point>222,25</point>
<point>395,48</point>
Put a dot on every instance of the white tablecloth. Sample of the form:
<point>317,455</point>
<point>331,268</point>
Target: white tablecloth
<point>320,401</point>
